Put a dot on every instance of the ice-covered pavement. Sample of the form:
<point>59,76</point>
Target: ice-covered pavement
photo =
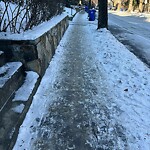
<point>95,95</point>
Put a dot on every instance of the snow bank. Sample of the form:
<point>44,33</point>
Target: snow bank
<point>129,81</point>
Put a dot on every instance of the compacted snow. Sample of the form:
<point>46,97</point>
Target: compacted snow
<point>118,86</point>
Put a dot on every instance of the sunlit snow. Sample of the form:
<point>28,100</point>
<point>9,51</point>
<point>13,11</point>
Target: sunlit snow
<point>126,78</point>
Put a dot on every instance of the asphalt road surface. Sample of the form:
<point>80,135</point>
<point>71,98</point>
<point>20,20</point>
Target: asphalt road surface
<point>134,32</point>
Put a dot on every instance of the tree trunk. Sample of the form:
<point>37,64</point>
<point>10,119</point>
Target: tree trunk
<point>149,6</point>
<point>130,6</point>
<point>141,6</point>
<point>119,5</point>
<point>89,4</point>
<point>103,14</point>
<point>146,5</point>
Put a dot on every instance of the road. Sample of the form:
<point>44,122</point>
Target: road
<point>132,31</point>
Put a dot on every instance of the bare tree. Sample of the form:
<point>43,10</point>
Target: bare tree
<point>27,13</point>
<point>119,4</point>
<point>130,8</point>
<point>141,6</point>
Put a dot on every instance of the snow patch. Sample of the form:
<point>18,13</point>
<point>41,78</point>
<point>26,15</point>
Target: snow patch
<point>19,108</point>
<point>7,71</point>
<point>70,12</point>
<point>26,89</point>
<point>1,52</point>
<point>129,81</point>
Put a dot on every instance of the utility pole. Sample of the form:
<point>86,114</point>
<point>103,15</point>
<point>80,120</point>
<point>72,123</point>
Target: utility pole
<point>102,14</point>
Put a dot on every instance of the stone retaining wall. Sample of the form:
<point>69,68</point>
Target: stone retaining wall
<point>35,54</point>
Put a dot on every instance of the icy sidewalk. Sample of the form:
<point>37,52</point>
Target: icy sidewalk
<point>94,96</point>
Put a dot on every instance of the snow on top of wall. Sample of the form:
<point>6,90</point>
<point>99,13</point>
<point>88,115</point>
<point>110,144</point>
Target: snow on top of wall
<point>35,32</point>
<point>70,12</point>
<point>7,71</point>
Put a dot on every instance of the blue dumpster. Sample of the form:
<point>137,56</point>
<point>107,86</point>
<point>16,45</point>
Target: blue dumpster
<point>92,14</point>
